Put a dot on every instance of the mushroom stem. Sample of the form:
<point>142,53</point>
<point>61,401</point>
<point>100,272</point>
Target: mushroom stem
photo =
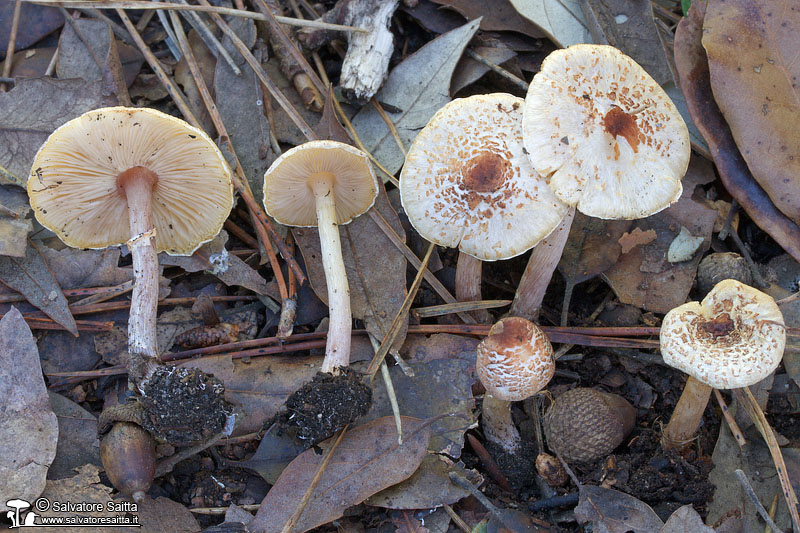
<point>686,417</point>
<point>337,348</point>
<point>468,283</point>
<point>498,427</point>
<point>137,185</point>
<point>541,265</point>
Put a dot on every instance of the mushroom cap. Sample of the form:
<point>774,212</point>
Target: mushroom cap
<point>516,360</point>
<point>734,338</point>
<point>607,135</point>
<point>289,199</point>
<point>73,188</point>
<point>467,183</point>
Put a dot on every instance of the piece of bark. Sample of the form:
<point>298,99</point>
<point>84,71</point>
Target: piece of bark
<point>367,60</point>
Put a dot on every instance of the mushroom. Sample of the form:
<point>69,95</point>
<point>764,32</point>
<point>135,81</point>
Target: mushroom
<point>324,184</point>
<point>607,137</point>
<point>139,177</point>
<point>515,361</point>
<point>734,338</point>
<point>467,184</point>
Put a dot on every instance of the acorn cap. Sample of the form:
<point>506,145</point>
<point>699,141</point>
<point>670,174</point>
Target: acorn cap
<point>73,182</point>
<point>467,183</point>
<point>605,133</point>
<point>515,361</point>
<point>734,338</point>
<point>289,199</point>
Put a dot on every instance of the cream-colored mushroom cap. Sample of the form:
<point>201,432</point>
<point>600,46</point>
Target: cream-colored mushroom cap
<point>467,184</point>
<point>516,360</point>
<point>607,135</point>
<point>73,182</point>
<point>289,199</point>
<point>734,338</point>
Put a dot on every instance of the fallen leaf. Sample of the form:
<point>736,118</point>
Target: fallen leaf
<point>432,17</point>
<point>274,453</point>
<point>409,524</point>
<point>499,15</point>
<point>591,248</point>
<point>329,126</point>
<point>752,55</point>
<point>61,351</point>
<point>86,268</point>
<point>31,111</point>
<point>469,70</point>
<point>77,438</point>
<point>286,131</point>
<point>418,87</point>
<point>162,514</point>
<point>637,237</point>
<point>685,520</point>
<point>376,269</point>
<point>692,64</point>
<point>207,63</point>
<point>684,246</point>
<point>31,277</point>
<point>28,427</point>
<point>367,460</point>
<point>242,110</point>
<point>562,21</point>
<point>35,22</point>
<point>612,511</point>
<point>14,229</point>
<point>421,349</point>
<point>429,487</point>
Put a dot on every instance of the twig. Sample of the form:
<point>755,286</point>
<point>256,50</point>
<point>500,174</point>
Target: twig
<point>726,227</point>
<point>457,519</point>
<point>12,41</point>
<point>118,30</point>
<point>490,464</point>
<point>748,489</point>
<point>522,84</point>
<point>222,510</point>
<point>757,277</point>
<point>209,38</point>
<point>82,325</point>
<point>458,307</point>
<point>734,427</point>
<point>389,124</point>
<point>148,5</point>
<point>165,466</point>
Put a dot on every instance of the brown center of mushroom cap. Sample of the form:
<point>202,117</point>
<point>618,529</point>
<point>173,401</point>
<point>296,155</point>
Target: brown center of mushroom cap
<point>485,173</point>
<point>137,173</point>
<point>719,326</point>
<point>617,122</point>
<point>509,333</point>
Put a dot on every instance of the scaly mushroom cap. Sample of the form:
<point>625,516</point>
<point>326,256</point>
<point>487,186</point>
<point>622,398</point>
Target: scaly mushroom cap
<point>516,360</point>
<point>734,338</point>
<point>607,135</point>
<point>73,182</point>
<point>289,199</point>
<point>467,184</point>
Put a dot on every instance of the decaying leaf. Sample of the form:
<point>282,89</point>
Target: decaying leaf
<point>417,87</point>
<point>685,520</point>
<point>692,64</point>
<point>612,511</point>
<point>429,487</point>
<point>635,238</point>
<point>376,269</point>
<point>35,22</point>
<point>752,55</point>
<point>77,438</point>
<point>367,460</point>
<point>592,247</point>
<point>469,70</point>
<point>499,15</point>
<point>31,111</point>
<point>31,277</point>
<point>28,427</point>
<point>561,21</point>
<point>86,268</point>
<point>14,226</point>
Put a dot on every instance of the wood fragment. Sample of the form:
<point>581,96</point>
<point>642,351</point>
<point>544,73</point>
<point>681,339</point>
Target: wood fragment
<point>12,41</point>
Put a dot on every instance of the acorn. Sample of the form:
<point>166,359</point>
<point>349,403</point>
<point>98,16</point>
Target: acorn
<point>128,454</point>
<point>586,424</point>
<point>719,266</point>
<point>551,470</point>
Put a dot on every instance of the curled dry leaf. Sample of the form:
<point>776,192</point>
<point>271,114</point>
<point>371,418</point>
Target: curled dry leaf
<point>367,460</point>
<point>692,64</point>
<point>28,427</point>
<point>612,511</point>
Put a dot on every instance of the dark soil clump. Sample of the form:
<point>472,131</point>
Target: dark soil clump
<point>325,405</point>
<point>519,468</point>
<point>184,406</point>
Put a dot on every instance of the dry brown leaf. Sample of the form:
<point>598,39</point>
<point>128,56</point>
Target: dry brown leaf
<point>469,70</point>
<point>77,438</point>
<point>427,488</point>
<point>14,229</point>
<point>35,22</point>
<point>367,460</point>
<point>28,427</point>
<point>685,520</point>
<point>752,48</point>
<point>86,268</point>
<point>499,15</point>
<point>591,248</point>
<point>612,511</point>
<point>637,237</point>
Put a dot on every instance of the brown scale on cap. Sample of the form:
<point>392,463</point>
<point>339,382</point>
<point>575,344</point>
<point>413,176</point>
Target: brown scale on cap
<point>619,123</point>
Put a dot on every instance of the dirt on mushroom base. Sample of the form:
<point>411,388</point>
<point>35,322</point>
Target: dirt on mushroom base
<point>324,405</point>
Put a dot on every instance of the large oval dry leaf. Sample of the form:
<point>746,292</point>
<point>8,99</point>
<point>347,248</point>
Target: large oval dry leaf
<point>28,427</point>
<point>752,48</point>
<point>561,20</point>
<point>367,460</point>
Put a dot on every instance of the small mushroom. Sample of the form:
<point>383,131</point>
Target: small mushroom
<point>132,176</point>
<point>467,184</point>
<point>324,184</point>
<point>609,141</point>
<point>734,338</point>
<point>515,361</point>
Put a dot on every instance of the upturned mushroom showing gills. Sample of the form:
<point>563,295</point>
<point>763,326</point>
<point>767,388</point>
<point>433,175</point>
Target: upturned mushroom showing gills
<point>467,184</point>
<point>139,177</point>
<point>324,184</point>
<point>734,338</point>
<point>515,361</point>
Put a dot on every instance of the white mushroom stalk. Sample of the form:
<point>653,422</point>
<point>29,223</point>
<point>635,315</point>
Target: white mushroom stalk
<point>324,184</point>
<point>515,361</point>
<point>734,338</point>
